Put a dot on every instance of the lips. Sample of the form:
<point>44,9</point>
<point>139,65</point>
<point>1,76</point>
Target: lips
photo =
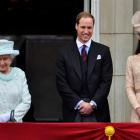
<point>3,66</point>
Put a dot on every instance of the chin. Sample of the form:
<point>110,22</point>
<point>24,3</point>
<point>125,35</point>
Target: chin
<point>3,71</point>
<point>86,40</point>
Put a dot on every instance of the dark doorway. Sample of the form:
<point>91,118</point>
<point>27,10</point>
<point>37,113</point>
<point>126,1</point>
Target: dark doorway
<point>39,16</point>
<point>40,59</point>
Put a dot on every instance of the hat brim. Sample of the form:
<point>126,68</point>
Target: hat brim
<point>13,52</point>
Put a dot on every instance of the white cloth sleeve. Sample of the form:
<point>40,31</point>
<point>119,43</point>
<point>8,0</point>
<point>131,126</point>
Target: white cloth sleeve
<point>24,106</point>
<point>5,117</point>
<point>78,105</point>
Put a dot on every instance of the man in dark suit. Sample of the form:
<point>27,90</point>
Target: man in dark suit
<point>84,75</point>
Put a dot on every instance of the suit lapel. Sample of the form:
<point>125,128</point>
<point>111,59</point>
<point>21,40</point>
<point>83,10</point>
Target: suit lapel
<point>92,56</point>
<point>76,61</point>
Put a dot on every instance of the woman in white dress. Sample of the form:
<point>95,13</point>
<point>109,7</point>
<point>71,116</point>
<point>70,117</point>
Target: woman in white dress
<point>15,98</point>
<point>133,74</point>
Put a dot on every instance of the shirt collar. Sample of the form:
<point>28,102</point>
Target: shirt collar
<point>79,44</point>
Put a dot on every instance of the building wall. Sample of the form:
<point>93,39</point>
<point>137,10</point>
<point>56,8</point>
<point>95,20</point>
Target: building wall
<point>116,31</point>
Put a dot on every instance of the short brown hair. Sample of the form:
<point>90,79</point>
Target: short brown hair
<point>84,14</point>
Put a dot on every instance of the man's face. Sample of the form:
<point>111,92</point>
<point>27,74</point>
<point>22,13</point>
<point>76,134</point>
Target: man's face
<point>84,29</point>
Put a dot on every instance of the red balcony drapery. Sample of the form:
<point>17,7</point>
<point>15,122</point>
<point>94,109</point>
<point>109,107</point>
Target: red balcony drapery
<point>68,131</point>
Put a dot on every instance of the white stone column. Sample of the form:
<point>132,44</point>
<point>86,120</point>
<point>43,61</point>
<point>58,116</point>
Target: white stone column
<point>95,6</point>
<point>87,5</point>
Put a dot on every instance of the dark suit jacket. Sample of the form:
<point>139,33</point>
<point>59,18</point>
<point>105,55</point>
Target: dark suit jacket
<point>99,78</point>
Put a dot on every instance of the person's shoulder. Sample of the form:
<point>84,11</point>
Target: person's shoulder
<point>131,58</point>
<point>18,71</point>
<point>100,45</point>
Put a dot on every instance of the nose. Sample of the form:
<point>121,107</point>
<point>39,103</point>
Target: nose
<point>86,30</point>
<point>1,61</point>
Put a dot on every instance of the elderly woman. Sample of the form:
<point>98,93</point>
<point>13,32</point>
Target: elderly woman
<point>133,74</point>
<point>15,98</point>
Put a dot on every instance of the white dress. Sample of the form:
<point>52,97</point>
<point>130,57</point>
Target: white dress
<point>14,93</point>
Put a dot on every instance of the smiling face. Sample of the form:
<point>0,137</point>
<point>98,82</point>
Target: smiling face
<point>84,29</point>
<point>5,62</point>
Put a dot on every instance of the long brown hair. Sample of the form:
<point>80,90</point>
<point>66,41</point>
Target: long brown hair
<point>138,48</point>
